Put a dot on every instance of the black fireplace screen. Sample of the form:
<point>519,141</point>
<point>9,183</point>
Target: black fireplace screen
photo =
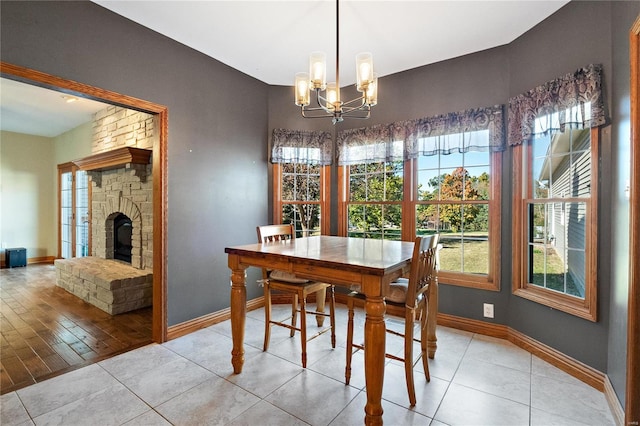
<point>122,238</point>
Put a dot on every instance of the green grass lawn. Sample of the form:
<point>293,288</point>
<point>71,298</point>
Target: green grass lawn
<point>471,255</point>
<point>555,272</point>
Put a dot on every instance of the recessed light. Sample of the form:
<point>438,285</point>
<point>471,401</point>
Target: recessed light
<point>69,99</point>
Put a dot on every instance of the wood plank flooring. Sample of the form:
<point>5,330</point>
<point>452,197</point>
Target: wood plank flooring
<point>46,331</point>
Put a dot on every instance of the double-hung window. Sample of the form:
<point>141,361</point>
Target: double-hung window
<point>431,175</point>
<point>301,162</point>
<point>555,137</point>
<point>458,196</point>
<point>372,189</point>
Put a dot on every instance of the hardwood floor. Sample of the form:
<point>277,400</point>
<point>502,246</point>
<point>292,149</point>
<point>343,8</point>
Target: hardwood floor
<point>47,331</point>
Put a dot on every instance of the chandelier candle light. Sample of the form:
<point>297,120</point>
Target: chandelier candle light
<point>329,103</point>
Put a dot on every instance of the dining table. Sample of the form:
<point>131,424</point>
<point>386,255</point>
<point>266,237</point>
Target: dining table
<point>364,264</point>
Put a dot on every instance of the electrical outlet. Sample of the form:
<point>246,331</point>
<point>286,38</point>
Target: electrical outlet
<point>488,310</point>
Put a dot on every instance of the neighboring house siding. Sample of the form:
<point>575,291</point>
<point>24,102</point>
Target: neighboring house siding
<point>568,219</point>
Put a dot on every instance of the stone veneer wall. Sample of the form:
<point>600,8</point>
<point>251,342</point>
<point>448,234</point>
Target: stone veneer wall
<point>128,191</point>
<point>116,127</point>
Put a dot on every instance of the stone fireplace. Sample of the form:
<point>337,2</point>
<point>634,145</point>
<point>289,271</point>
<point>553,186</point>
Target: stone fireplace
<point>122,204</point>
<point>117,277</point>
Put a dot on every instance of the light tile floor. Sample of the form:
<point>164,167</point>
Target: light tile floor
<point>475,380</point>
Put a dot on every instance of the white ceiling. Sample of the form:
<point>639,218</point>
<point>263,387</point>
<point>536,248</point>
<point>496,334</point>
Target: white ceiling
<point>271,40</point>
<point>42,112</point>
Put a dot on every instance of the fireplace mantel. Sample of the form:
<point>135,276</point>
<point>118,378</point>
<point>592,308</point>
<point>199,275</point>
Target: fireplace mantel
<point>114,159</point>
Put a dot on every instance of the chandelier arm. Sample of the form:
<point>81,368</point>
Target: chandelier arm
<point>325,115</point>
<point>366,113</point>
<point>316,109</point>
<point>361,98</point>
<point>323,107</point>
<point>355,110</point>
<point>357,117</point>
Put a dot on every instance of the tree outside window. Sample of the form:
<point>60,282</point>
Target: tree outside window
<point>426,176</point>
<point>301,162</point>
<point>453,197</point>
<point>375,197</point>
<point>301,189</point>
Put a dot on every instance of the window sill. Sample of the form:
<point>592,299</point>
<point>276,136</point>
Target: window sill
<point>477,281</point>
<point>561,302</point>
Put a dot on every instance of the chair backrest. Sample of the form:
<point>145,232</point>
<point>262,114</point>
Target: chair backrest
<point>270,233</point>
<point>273,233</point>
<point>423,268</point>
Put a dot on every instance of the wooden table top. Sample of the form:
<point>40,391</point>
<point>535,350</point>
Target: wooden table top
<point>373,257</point>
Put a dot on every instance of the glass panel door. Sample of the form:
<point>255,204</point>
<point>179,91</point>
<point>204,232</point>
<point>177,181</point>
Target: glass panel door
<point>82,214</point>
<point>75,212</point>
<point>66,215</point>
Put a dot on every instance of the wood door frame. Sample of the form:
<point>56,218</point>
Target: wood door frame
<point>632,394</point>
<point>159,164</point>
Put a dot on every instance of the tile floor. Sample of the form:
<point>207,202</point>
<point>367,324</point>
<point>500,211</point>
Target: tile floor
<point>475,380</point>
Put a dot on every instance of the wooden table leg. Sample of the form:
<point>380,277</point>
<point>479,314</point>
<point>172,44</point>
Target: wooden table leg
<point>238,312</point>
<point>321,295</point>
<point>374,342</point>
<point>432,340</point>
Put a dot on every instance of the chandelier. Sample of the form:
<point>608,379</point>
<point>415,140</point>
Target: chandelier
<point>327,96</point>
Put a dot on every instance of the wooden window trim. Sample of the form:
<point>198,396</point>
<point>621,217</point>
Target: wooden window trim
<point>325,197</point>
<point>491,281</point>
<point>586,308</point>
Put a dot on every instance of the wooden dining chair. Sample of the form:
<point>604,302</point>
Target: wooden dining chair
<point>412,295</point>
<point>299,288</point>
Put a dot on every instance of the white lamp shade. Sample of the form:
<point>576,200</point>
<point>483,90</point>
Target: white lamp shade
<point>318,70</point>
<point>364,70</point>
<point>302,89</point>
<point>333,96</point>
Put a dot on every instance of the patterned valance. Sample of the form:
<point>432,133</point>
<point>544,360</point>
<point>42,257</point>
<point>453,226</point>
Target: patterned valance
<point>574,99</point>
<point>369,145</point>
<point>459,132</point>
<point>441,134</point>
<point>302,147</point>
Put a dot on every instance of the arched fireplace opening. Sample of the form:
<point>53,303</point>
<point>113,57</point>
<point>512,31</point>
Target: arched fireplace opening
<point>122,231</point>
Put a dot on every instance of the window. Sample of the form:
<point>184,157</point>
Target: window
<point>432,175</point>
<point>456,197</point>
<point>374,209</point>
<point>372,190</point>
<point>555,193</point>
<point>301,189</point>
<point>301,173</point>
<point>74,224</point>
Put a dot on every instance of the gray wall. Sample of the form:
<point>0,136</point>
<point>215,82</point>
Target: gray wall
<point>217,155</point>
